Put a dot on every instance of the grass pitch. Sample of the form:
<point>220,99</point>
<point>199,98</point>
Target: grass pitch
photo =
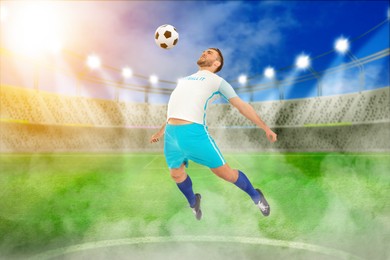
<point>125,206</point>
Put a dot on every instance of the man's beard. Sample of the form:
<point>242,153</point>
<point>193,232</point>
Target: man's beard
<point>204,63</point>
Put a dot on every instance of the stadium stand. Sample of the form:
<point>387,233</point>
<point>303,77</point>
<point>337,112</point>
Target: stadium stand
<point>36,121</point>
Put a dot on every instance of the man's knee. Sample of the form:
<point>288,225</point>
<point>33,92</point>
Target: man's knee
<point>226,173</point>
<point>178,174</point>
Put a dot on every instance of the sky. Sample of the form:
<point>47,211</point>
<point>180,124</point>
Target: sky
<point>252,35</point>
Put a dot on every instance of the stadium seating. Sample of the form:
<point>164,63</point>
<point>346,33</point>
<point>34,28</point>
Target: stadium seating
<point>37,121</point>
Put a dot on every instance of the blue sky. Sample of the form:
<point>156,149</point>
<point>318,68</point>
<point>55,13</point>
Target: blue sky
<point>252,35</point>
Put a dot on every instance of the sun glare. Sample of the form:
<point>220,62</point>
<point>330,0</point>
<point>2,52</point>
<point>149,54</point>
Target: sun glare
<point>3,12</point>
<point>35,27</point>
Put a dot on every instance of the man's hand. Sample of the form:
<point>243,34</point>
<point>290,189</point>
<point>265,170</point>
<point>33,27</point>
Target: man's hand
<point>272,137</point>
<point>249,112</point>
<point>156,137</point>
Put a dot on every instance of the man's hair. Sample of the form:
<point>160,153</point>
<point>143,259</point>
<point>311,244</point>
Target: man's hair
<point>221,59</point>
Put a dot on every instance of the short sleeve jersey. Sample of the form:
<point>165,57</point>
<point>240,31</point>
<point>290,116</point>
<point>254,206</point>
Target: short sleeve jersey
<point>190,98</point>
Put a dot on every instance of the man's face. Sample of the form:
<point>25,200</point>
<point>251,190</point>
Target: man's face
<point>207,58</point>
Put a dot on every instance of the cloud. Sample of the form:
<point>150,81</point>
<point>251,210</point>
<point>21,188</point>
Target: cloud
<point>122,34</point>
<point>251,36</point>
<point>350,80</point>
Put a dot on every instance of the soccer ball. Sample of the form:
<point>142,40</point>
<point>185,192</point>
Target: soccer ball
<point>166,36</point>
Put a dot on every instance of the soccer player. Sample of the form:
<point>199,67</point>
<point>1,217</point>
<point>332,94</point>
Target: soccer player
<point>187,136</point>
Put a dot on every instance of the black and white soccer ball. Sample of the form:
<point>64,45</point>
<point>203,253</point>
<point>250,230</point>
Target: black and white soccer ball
<point>166,36</point>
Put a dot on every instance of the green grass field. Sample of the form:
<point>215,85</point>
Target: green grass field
<point>125,206</point>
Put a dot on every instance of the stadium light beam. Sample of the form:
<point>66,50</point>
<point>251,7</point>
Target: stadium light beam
<point>93,62</point>
<point>127,72</point>
<point>342,46</point>
<point>303,62</point>
<point>242,79</point>
<point>269,72</point>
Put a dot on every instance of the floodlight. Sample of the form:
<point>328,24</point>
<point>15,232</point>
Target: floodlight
<point>93,61</point>
<point>342,45</point>
<point>302,62</point>
<point>127,72</point>
<point>269,72</point>
<point>242,79</point>
<point>153,79</point>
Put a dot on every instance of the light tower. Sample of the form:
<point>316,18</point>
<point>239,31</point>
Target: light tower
<point>342,46</point>
<point>243,79</point>
<point>153,80</point>
<point>303,62</point>
<point>269,73</point>
<point>93,62</point>
<point>126,73</point>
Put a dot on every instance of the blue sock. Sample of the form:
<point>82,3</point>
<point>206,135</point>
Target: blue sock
<point>186,188</point>
<point>244,184</point>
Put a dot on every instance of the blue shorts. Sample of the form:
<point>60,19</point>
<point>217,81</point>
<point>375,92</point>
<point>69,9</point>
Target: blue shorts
<point>190,142</point>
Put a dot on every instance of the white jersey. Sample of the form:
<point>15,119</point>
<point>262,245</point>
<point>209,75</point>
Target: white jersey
<point>192,95</point>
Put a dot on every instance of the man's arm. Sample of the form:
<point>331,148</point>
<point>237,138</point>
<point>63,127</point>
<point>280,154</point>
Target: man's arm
<point>156,137</point>
<point>249,112</point>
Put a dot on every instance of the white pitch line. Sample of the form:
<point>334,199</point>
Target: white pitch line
<point>79,155</point>
<point>311,155</point>
<point>243,240</point>
<point>146,154</point>
<point>157,168</point>
<point>239,164</point>
<point>157,156</point>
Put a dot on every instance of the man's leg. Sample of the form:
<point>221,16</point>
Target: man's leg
<point>184,183</point>
<point>240,180</point>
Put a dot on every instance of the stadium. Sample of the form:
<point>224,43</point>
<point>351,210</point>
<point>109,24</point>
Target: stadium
<point>77,170</point>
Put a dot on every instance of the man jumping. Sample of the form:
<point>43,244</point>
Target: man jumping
<point>186,133</point>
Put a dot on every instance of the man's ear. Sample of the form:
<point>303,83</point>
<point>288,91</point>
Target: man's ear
<point>216,64</point>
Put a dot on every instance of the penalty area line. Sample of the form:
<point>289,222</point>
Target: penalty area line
<point>243,240</point>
